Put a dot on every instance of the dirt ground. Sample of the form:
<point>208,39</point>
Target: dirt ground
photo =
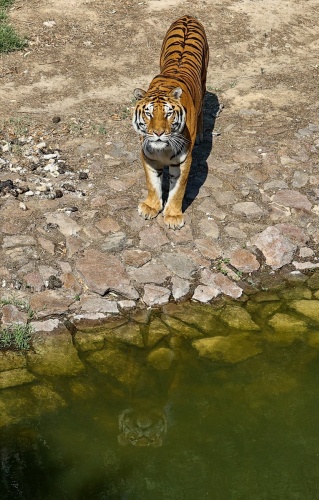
<point>72,87</point>
<point>263,55</point>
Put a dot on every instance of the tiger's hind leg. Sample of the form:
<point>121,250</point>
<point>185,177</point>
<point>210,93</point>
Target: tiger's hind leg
<point>153,204</point>
<point>200,128</point>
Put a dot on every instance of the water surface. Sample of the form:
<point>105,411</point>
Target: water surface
<point>197,429</point>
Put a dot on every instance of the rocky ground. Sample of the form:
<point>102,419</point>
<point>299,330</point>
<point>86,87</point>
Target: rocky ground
<point>72,243</point>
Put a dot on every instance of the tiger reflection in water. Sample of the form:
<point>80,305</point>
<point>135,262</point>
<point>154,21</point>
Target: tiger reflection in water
<point>142,428</point>
<point>144,423</point>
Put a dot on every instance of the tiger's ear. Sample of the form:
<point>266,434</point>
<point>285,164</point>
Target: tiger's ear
<point>176,93</point>
<point>139,94</point>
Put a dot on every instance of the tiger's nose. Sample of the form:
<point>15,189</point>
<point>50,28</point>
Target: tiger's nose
<point>159,132</point>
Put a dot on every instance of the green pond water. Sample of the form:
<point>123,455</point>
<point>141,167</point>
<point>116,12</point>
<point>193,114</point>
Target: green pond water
<point>187,428</point>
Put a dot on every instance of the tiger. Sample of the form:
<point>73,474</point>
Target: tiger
<point>169,117</point>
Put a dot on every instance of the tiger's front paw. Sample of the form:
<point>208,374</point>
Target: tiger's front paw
<point>174,221</point>
<point>148,212</point>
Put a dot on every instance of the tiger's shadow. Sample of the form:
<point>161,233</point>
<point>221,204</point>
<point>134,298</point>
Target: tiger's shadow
<point>201,152</point>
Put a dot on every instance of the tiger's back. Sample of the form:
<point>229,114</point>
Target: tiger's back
<point>185,55</point>
<point>169,116</point>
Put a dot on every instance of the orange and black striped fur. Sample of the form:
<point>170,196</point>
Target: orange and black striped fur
<point>169,116</point>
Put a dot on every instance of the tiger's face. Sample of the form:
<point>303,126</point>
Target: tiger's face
<point>160,121</point>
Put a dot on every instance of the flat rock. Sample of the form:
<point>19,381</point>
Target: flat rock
<point>221,283</point>
<point>47,245</point>
<point>293,233</point>
<point>209,228</point>
<point>275,184</point>
<point>183,235</point>
<point>293,199</point>
<point>34,281</point>
<point>211,209</point>
<point>299,179</point>
<point>208,248</point>
<point>305,252</point>
<point>66,225</point>
<point>179,264</point>
<point>98,304</point>
<point>236,233</point>
<point>108,225</point>
<point>302,266</point>
<point>115,241</point>
<point>153,237</point>
<point>152,272</point>
<point>225,197</point>
<point>205,293</point>
<point>104,272</point>
<point>180,287</point>
<point>11,314</point>
<point>231,349</point>
<point>247,208</point>
<point>247,157</point>
<point>18,241</point>
<point>276,249</point>
<point>155,295</point>
<point>120,203</point>
<point>48,326</point>
<point>50,302</point>
<point>136,257</point>
<point>244,261</point>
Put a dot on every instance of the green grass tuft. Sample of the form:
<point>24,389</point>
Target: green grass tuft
<point>16,336</point>
<point>9,39</point>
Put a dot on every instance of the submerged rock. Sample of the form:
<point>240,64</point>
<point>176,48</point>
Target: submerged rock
<point>231,349</point>
<point>180,328</point>
<point>54,355</point>
<point>18,376</point>
<point>10,360</point>
<point>129,333</point>
<point>157,331</point>
<point>116,363</point>
<point>239,318</point>
<point>309,308</point>
<point>281,322</point>
<point>202,317</point>
<point>89,341</point>
<point>161,358</point>
<point>313,281</point>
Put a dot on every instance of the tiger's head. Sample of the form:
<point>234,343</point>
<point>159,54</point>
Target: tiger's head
<point>160,118</point>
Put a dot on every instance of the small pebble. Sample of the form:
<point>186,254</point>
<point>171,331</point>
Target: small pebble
<point>54,282</point>
<point>58,193</point>
<point>68,187</point>
<point>83,176</point>
<point>23,206</point>
<point>70,209</point>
